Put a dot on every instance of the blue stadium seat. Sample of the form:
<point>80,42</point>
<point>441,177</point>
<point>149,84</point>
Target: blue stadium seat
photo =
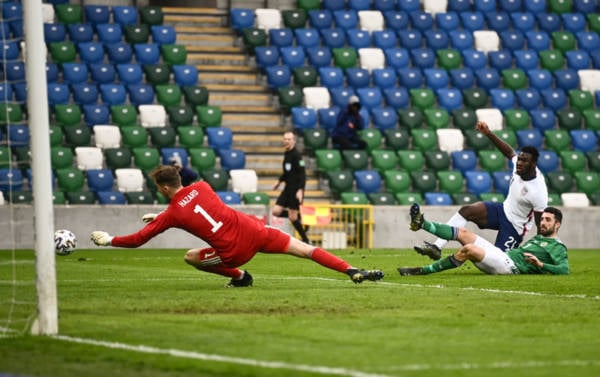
<point>502,98</point>
<point>111,198</point>
<point>304,117</point>
<point>397,58</point>
<point>540,78</point>
<point>484,6</point>
<point>438,199</point>
<point>166,154</point>
<point>384,5</point>
<point>54,32</point>
<point>345,19</point>
<point>474,59</point>
<point>292,56</point>
<point>367,181</point>
<point>449,98</point>
<point>531,137</point>
<point>478,182</point>
<point>357,77</point>
<point>102,73</point>
<point>588,41</point>
<point>278,76</point>
<point>146,53</point>
<point>359,4</point>
<point>573,22</point>
<point>498,20</point>
<point>464,160</point>
<point>130,73</point>
<point>307,38</point>
<point>14,71</point>
<point>334,5</point>
<point>584,140</point>
<point>488,78</point>
<point>578,59</point>
<point>281,37</point>
<point>472,20</point>
<point>537,40</point>
<point>232,159</point>
<point>525,59</point>
<point>554,98</point>
<point>74,72</point>
<point>500,60</point>
<point>58,93</point>
<point>461,39</point>
<point>328,117</point>
<point>219,137</point>
<point>18,135</point>
<point>266,56</point>
<point>358,38</point>
<point>96,14</point>
<point>447,21</point>
<point>436,78</point>
<point>384,78</point>
<point>397,97</point>
<point>384,39</point>
<point>119,52</point>
<point>331,77</point>
<point>523,21</point>
<point>384,118</point>
<point>535,6</point>
<point>320,18</point>
<point>52,72</point>
<point>396,20</point>
<point>319,56</point>
<point>185,74</point>
<point>528,99</point>
<point>340,96</point>
<point>100,179</point>
<point>566,79</point>
<point>459,5</point>
<point>585,6</point>
<point>91,52</point>
<point>423,57</point>
<point>11,180</point>
<point>421,20</point>
<point>370,97</point>
<point>501,180</point>
<point>462,78</point>
<point>96,114</point>
<point>124,14</point>
<point>109,33</point>
<point>6,92</point>
<point>241,18</point>
<point>163,34</point>
<point>548,22</point>
<point>140,94</point>
<point>512,40</point>
<point>20,91</point>
<point>113,94</point>
<point>12,10</point>
<point>548,161</point>
<point>436,39</point>
<point>229,197</point>
<point>409,39</point>
<point>410,77</point>
<point>85,93</point>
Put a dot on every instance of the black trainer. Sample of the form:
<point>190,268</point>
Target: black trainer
<point>407,271</point>
<point>430,249</point>
<point>416,217</point>
<point>358,276</point>
<point>245,281</point>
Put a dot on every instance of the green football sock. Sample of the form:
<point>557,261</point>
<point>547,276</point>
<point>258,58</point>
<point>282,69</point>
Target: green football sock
<point>444,231</point>
<point>446,263</point>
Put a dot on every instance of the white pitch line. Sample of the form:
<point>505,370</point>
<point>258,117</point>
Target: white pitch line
<point>498,365</point>
<point>220,358</point>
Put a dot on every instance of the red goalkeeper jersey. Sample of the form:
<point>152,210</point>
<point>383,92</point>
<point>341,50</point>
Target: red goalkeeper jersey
<point>198,210</point>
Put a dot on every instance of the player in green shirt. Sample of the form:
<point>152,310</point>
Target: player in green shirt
<point>544,253</point>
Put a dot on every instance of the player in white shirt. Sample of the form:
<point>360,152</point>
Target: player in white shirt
<point>527,197</point>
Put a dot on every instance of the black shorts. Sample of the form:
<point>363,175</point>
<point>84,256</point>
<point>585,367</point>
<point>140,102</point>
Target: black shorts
<point>288,199</point>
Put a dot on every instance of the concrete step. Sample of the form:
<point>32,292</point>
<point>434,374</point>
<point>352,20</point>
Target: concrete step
<point>228,81</point>
<point>261,101</point>
<point>251,122</point>
<point>206,39</point>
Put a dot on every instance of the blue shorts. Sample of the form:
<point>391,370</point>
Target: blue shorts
<point>507,237</point>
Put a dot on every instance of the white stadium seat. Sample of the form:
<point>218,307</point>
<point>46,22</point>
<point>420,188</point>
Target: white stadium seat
<point>89,158</point>
<point>371,58</point>
<point>107,136</point>
<point>450,139</point>
<point>493,118</point>
<point>371,20</point>
<point>268,19</point>
<point>129,180</point>
<point>589,79</point>
<point>152,115</point>
<point>243,180</point>
<point>486,40</point>
<point>575,199</point>
<point>316,97</point>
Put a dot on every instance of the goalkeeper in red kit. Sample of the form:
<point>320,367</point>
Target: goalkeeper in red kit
<point>234,237</point>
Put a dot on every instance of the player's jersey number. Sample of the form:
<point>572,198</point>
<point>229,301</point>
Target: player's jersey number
<point>216,225</point>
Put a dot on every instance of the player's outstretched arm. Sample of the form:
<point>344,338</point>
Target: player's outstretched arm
<point>149,217</point>
<point>101,238</point>
<point>502,146</point>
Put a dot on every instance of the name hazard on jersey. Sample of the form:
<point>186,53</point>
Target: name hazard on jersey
<point>188,198</point>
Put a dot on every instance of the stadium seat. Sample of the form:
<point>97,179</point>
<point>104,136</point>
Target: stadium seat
<point>328,160</point>
<point>162,137</point>
<point>423,181</point>
<point>572,160</point>
<point>424,139</point>
<point>584,140</point>
<point>168,95</point>
<point>438,198</point>
<point>146,158</point>
<point>96,114</point>
<point>464,160</point>
<point>54,32</point>
<point>139,197</point>
<point>517,119</point>
<point>136,33</point>
<point>396,139</point>
<point>462,40</point>
<point>436,39</point>
<point>396,181</point>
<point>542,119</point>
<point>70,179</point>
<point>410,78</point>
<point>370,98</point>
<point>532,137</point>
<point>548,161</point>
<point>100,180</point>
<point>557,140</point>
<point>488,78</point>
<point>355,159</point>
<point>384,160</point>
<point>344,57</point>
<point>593,158</point>
<point>305,76</point>
<point>209,116</point>
<point>111,198</point>
<point>423,57</point>
<point>437,160</point>
<point>328,117</point>
<point>219,137</point>
<point>587,182</point>
<point>117,158</point>
<point>255,198</point>
<point>384,118</point>
<point>384,39</point>
<point>501,59</point>
<point>243,181</point>
<point>217,179</point>
<point>319,56</point>
<point>130,73</point>
<point>581,99</point>
<point>107,136</point>
<point>102,73</point>
<point>491,160</point>
<point>575,199</point>
<point>501,180</point>
<point>567,79</point>
<point>449,139</point>
<point>240,18</point>
<point>316,97</point>
<point>294,18</point>
<point>202,158</point>
<point>123,115</point>
<point>232,159</point>
<point>268,18</point>
<point>411,160</point>
<point>190,136</point>
<point>112,94</point>
<point>124,14</point>
<point>367,181</point>
<point>478,182</point>
<point>163,34</point>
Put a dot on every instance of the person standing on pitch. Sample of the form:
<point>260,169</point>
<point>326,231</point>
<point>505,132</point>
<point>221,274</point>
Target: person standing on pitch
<point>543,254</point>
<point>294,178</point>
<point>527,197</point>
<point>234,237</point>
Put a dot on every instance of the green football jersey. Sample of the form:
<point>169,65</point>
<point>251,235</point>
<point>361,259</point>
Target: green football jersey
<point>550,251</point>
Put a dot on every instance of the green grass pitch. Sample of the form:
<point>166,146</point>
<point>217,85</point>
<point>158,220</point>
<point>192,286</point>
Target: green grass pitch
<point>146,313</point>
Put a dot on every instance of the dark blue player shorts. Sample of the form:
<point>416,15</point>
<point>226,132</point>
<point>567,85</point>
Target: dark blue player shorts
<point>507,237</point>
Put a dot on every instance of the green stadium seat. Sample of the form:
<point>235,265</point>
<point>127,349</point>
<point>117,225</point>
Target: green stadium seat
<point>157,74</point>
<point>354,198</point>
<point>123,115</point>
<point>136,33</point>
<point>559,181</point>
<point>162,137</point>
<point>382,198</point>
<point>355,159</point>
<point>58,198</point>
<point>475,98</point>
<point>437,160</point>
<point>554,200</point>
<point>383,160</point>
<point>195,95</point>
<point>396,181</point>
<point>595,198</point>
<point>67,114</point>
<point>508,136</point>
<point>344,57</point>
<point>517,119</point>
<point>572,161</point>
<point>305,76</point>
<point>308,5</point>
<point>464,119</point>
<point>593,22</point>
<point>581,99</point>
<point>491,160</point>
<point>253,37</point>
<point>68,13</point>
<point>464,198</point>
<point>20,197</point>
<point>436,118</point>
<point>146,158</point>
<point>315,138</point>
<point>410,118</point>
<point>557,140</point>
<point>22,157</point>
<point>422,98</point>
<point>423,181</point>
<point>139,197</point>
<point>10,113</point>
<point>593,158</point>
<point>217,179</point>
<point>209,116</point>
<point>173,54</point>
<point>449,58</point>
<point>63,52</point>
<point>587,181</point>
<point>476,140</point>
<point>592,119</point>
<point>551,60</point>
<point>190,136</point>
<point>411,160</point>
<point>180,116</point>
<point>563,41</point>
<point>77,136</point>
<point>340,181</point>
<point>424,139</point>
<point>61,157</point>
<point>294,18</point>
<point>168,94</point>
<point>134,136</point>
<point>569,119</point>
<point>151,15</point>
<point>117,158</point>
<point>289,96</point>
<point>408,198</point>
<point>396,139</point>
<point>372,137</point>
<point>70,179</point>
<point>495,197</point>
<point>202,159</point>
<point>328,160</point>
<point>255,198</point>
<point>450,181</point>
<point>514,78</point>
<point>80,197</point>
<point>6,157</point>
<point>56,136</point>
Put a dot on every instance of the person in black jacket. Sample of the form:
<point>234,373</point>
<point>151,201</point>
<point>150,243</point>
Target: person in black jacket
<point>346,135</point>
<point>294,178</point>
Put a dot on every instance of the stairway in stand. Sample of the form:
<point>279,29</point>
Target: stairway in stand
<point>236,86</point>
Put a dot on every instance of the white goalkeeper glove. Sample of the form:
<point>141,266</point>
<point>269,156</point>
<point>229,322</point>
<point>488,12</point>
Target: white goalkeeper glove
<point>149,217</point>
<point>101,238</point>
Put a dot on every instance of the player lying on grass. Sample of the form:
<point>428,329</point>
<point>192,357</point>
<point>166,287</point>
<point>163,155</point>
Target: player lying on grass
<point>544,253</point>
<point>234,237</point>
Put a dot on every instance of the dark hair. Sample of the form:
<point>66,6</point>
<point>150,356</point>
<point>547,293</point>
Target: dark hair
<point>556,212</point>
<point>532,151</point>
<point>166,175</point>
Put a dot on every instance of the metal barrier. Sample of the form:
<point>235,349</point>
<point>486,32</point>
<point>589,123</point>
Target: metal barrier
<point>338,226</point>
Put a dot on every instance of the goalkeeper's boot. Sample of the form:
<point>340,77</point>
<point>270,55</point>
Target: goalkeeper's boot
<point>245,281</point>
<point>429,249</point>
<point>416,217</point>
<point>358,276</point>
<point>407,271</point>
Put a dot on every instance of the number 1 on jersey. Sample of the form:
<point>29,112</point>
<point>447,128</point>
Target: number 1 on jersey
<point>216,225</point>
